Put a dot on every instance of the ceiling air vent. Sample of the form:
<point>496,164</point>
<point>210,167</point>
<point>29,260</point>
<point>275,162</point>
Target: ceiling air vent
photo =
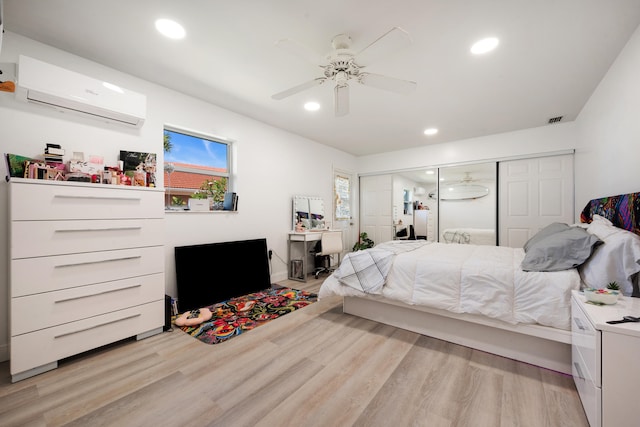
<point>553,120</point>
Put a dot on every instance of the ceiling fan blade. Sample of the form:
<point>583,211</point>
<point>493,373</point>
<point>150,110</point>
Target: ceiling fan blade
<point>301,51</point>
<point>341,100</point>
<point>393,40</point>
<point>299,88</point>
<point>387,83</point>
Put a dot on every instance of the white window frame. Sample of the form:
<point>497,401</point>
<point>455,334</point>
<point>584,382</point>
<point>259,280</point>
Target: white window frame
<point>228,175</point>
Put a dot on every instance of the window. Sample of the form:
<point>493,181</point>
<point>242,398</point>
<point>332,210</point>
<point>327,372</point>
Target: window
<point>342,197</point>
<point>196,166</point>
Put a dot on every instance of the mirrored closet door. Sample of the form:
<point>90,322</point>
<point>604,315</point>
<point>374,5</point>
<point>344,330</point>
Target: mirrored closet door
<point>467,203</point>
<point>461,204</point>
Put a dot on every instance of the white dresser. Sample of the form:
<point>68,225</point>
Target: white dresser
<point>606,367</point>
<point>86,269</point>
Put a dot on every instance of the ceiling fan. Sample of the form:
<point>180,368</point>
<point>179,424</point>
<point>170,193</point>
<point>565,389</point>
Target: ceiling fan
<point>342,65</point>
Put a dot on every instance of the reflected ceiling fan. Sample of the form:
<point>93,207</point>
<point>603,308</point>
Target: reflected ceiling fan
<point>342,65</point>
<point>462,189</point>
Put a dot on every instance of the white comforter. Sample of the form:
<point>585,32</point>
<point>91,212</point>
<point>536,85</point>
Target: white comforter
<point>483,280</point>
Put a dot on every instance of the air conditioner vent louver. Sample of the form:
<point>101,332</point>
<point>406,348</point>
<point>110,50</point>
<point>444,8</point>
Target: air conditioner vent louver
<point>555,119</point>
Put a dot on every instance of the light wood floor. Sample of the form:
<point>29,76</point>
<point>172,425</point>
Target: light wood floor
<point>313,367</point>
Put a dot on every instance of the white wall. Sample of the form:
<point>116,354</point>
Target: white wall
<point>544,139</point>
<point>607,160</point>
<point>272,165</point>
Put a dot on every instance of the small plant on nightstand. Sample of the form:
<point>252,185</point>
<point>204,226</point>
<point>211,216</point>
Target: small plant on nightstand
<point>613,286</point>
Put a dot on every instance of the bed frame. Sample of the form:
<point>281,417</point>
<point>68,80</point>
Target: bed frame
<point>542,346</point>
<point>535,344</point>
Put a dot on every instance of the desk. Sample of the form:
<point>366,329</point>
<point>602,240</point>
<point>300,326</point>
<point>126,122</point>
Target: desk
<point>303,239</point>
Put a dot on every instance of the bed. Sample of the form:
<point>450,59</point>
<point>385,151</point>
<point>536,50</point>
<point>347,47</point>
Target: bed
<point>513,302</point>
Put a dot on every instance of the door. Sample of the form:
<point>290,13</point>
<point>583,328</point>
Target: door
<point>376,207</point>
<point>343,196</point>
<point>533,194</point>
<point>467,202</point>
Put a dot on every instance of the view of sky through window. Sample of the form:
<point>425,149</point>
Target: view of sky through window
<point>194,150</point>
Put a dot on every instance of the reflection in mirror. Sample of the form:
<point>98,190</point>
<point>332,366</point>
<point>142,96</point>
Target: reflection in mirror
<point>421,210</point>
<point>462,189</point>
<point>415,216</point>
<point>309,212</point>
<point>467,204</point>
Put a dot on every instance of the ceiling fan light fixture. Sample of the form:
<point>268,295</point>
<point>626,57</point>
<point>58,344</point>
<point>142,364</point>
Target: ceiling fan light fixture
<point>484,46</point>
<point>342,65</point>
<point>170,29</point>
<point>430,131</point>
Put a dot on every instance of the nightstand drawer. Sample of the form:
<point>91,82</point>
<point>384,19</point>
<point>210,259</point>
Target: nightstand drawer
<point>51,344</point>
<point>590,394</point>
<point>584,341</point>
<point>46,274</point>
<point>43,201</point>
<point>44,310</point>
<point>43,238</point>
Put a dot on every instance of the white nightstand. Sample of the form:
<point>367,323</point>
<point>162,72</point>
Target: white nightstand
<point>606,361</point>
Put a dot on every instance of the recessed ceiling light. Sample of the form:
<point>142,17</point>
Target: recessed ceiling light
<point>312,106</point>
<point>430,131</point>
<point>484,45</point>
<point>430,172</point>
<point>170,29</point>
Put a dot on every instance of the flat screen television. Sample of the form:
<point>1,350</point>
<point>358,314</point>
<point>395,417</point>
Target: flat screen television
<point>214,272</point>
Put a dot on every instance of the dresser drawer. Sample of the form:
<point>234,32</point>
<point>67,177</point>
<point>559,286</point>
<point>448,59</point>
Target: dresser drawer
<point>42,238</point>
<point>49,345</point>
<point>39,311</point>
<point>34,275</point>
<point>43,201</point>
<point>584,341</point>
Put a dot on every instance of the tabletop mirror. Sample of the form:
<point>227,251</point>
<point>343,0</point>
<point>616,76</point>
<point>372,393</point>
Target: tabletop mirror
<point>310,211</point>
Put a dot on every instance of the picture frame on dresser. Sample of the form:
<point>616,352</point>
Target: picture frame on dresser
<point>16,165</point>
<point>140,167</point>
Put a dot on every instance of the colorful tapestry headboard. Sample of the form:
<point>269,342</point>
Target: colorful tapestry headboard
<point>622,210</point>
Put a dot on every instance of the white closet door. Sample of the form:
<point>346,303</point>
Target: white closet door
<point>376,207</point>
<point>533,194</point>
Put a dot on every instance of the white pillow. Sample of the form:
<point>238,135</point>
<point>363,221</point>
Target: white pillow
<point>614,260</point>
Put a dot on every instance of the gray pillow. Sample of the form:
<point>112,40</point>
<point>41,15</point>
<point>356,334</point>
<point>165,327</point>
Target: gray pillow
<point>560,251</point>
<point>550,229</point>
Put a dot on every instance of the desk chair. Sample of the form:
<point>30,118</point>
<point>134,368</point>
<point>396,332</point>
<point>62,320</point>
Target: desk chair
<point>329,245</point>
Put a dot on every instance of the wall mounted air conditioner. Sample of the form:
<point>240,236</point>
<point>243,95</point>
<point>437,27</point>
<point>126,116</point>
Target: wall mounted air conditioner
<point>68,91</point>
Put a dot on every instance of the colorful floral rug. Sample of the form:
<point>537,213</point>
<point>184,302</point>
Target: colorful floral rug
<point>238,315</point>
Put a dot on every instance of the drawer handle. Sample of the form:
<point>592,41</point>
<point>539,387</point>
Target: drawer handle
<point>98,229</point>
<point>96,326</point>
<point>97,262</point>
<point>98,293</point>
<point>579,324</point>
<point>579,370</point>
<point>70,196</point>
